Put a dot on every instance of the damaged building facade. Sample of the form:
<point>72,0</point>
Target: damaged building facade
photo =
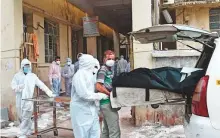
<point>57,27</point>
<point>202,14</point>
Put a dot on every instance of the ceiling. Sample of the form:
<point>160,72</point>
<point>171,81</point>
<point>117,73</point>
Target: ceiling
<point>115,13</point>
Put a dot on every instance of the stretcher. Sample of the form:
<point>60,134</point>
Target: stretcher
<point>42,100</point>
<point>127,97</point>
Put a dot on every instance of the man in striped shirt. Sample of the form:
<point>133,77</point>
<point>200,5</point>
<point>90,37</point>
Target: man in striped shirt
<point>111,127</point>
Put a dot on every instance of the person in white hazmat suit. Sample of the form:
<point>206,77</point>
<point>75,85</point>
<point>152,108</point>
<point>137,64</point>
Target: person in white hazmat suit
<point>67,74</point>
<point>23,84</point>
<point>83,110</point>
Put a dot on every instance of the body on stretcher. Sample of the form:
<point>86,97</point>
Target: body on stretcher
<point>127,97</point>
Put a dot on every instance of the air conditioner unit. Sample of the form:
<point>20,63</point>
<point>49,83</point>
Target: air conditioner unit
<point>168,1</point>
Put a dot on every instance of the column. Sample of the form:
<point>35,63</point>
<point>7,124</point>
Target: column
<point>116,41</point>
<point>92,46</point>
<point>11,40</point>
<point>141,18</point>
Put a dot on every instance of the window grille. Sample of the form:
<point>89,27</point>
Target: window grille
<point>214,20</point>
<point>51,38</point>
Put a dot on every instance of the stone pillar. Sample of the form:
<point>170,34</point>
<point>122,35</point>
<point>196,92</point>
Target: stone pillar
<point>63,42</point>
<point>116,41</point>
<point>92,46</point>
<point>142,52</point>
<point>11,40</point>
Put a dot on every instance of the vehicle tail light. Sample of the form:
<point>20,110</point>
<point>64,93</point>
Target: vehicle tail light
<point>199,100</point>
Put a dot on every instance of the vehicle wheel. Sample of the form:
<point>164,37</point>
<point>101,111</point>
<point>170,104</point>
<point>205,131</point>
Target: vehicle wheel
<point>39,136</point>
<point>155,106</point>
<point>55,132</point>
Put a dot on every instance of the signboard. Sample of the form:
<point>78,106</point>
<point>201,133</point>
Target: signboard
<point>90,26</point>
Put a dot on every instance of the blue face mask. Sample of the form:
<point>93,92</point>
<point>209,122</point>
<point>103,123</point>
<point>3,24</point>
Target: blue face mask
<point>26,69</point>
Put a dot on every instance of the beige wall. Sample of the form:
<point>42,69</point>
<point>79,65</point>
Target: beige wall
<point>40,35</point>
<point>116,42</point>
<point>64,45</point>
<point>92,46</point>
<point>64,51</point>
<point>11,40</point>
<point>65,12</point>
<point>196,17</point>
<point>141,51</point>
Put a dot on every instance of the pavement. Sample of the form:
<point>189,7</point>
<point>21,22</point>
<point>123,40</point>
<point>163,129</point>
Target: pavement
<point>128,130</point>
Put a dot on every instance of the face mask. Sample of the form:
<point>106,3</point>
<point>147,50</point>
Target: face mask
<point>26,70</point>
<point>110,63</point>
<point>58,62</point>
<point>68,63</point>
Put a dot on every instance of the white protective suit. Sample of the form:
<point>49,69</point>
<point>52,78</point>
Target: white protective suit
<point>96,69</point>
<point>67,74</point>
<point>23,86</point>
<point>84,113</point>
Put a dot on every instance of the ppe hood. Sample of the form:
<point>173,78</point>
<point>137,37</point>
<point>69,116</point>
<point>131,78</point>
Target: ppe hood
<point>87,62</point>
<point>24,62</point>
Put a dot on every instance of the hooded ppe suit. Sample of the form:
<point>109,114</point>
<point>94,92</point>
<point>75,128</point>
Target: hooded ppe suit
<point>84,113</point>
<point>122,65</point>
<point>67,74</point>
<point>96,69</point>
<point>23,86</point>
<point>55,78</point>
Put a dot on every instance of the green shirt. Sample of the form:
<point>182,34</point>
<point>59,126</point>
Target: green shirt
<point>105,76</point>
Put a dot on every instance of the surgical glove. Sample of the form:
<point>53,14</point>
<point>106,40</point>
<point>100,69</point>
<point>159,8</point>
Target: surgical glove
<point>50,93</point>
<point>20,88</point>
<point>102,96</point>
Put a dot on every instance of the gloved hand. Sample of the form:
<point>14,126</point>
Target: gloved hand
<point>20,88</point>
<point>103,96</point>
<point>50,93</point>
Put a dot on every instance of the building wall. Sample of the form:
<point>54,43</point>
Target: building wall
<point>65,12</point>
<point>196,17</point>
<point>171,114</point>
<point>92,46</point>
<point>116,41</point>
<point>11,40</point>
<point>64,50</point>
<point>141,51</point>
<point>40,35</point>
<point>12,37</point>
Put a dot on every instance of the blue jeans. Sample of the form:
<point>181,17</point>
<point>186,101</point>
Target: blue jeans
<point>56,86</point>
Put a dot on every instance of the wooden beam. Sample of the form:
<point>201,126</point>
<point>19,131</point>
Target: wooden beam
<point>112,3</point>
<point>84,5</point>
<point>106,18</point>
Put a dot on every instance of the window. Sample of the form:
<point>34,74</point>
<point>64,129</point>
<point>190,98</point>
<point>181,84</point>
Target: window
<point>214,20</point>
<point>51,38</point>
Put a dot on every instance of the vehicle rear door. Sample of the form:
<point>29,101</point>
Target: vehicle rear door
<point>213,89</point>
